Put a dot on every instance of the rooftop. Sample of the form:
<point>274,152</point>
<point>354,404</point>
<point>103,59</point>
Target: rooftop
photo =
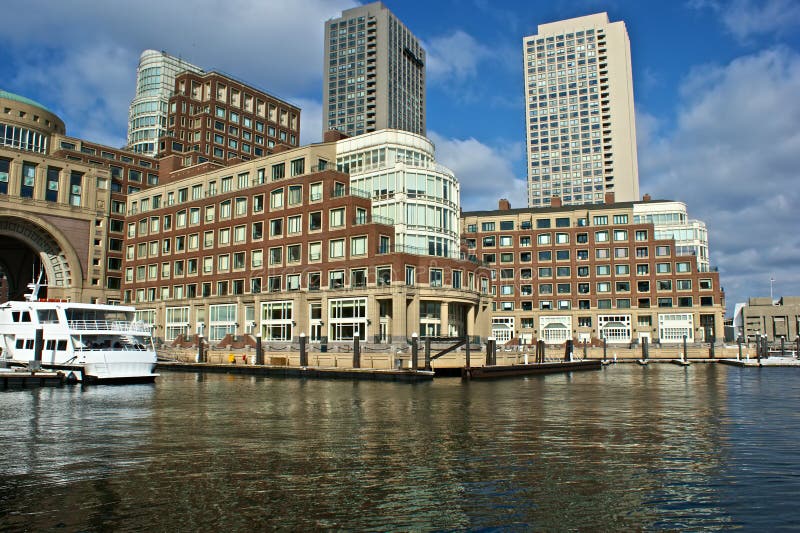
<point>21,99</point>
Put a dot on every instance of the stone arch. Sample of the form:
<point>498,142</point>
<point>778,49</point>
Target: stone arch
<point>60,261</point>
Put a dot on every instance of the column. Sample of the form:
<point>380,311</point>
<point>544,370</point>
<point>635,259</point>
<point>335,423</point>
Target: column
<point>444,313</point>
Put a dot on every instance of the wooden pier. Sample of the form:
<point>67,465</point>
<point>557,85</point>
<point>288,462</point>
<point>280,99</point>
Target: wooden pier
<point>505,371</point>
<point>24,378</point>
<point>373,374</point>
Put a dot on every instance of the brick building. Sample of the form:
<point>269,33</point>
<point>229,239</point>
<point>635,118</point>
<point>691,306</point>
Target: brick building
<point>589,272</point>
<point>213,117</point>
<point>282,245</point>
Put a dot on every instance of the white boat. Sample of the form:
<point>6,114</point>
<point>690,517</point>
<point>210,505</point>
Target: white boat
<point>90,342</point>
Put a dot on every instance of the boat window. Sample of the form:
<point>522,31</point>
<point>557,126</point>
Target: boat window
<point>15,316</point>
<point>47,316</point>
<point>29,344</point>
<point>50,345</point>
<point>20,344</point>
<point>62,346</point>
<point>26,316</point>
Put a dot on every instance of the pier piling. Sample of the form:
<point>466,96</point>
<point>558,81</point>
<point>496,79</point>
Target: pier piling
<point>466,351</point>
<point>201,357</point>
<point>414,351</point>
<point>304,350</point>
<point>356,351</point>
<point>38,348</point>
<point>685,355</point>
<point>259,351</point>
<point>427,354</point>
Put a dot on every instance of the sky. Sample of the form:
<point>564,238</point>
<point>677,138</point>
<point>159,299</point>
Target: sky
<point>716,88</point>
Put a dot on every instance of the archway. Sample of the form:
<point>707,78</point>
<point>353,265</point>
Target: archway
<point>26,246</point>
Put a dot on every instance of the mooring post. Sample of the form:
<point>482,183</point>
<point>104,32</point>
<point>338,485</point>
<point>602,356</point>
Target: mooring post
<point>783,346</point>
<point>584,349</point>
<point>38,348</point>
<point>568,350</point>
<point>259,351</point>
<point>427,354</point>
<point>711,348</point>
<point>605,349</point>
<point>356,351</point>
<point>494,351</point>
<point>685,355</point>
<point>466,351</point>
<point>797,349</point>
<point>542,348</point>
<point>200,355</point>
<point>644,348</point>
<point>414,351</point>
<point>758,350</point>
<point>303,350</point>
<point>739,342</point>
<point>489,350</point>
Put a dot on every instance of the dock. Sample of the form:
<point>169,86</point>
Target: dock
<point>763,362</point>
<point>24,378</point>
<point>505,371</point>
<point>303,372</point>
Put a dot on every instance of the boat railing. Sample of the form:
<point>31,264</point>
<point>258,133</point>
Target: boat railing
<point>124,348</point>
<point>109,325</point>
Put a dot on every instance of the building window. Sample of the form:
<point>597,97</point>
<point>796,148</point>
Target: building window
<point>347,318</point>
<point>222,321</point>
<point>276,321</point>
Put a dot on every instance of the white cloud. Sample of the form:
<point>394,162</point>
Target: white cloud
<point>749,18</point>
<point>454,58</point>
<point>485,172</point>
<point>80,46</point>
<point>734,157</point>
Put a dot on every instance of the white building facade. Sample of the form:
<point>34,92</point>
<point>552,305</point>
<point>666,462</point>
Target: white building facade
<point>581,131</point>
<point>155,83</point>
<point>671,221</point>
<point>398,170</point>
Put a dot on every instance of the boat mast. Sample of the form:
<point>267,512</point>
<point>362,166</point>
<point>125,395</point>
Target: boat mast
<point>34,287</point>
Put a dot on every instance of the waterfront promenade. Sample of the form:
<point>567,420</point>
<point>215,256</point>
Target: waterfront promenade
<point>385,359</point>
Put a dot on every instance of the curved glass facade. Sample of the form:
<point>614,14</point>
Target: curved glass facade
<point>408,188</point>
<point>23,138</point>
<point>155,83</point>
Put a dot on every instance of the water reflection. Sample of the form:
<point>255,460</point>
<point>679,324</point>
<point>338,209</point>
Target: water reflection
<point>623,448</point>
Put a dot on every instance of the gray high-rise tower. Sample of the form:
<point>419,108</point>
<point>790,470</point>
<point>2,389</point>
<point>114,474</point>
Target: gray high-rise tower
<point>374,73</point>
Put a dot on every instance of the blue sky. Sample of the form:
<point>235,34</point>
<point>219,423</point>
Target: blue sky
<point>716,84</point>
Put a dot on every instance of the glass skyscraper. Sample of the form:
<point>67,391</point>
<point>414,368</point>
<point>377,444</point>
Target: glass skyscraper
<point>155,83</point>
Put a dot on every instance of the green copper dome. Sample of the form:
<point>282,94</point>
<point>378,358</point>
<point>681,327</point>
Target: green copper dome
<point>11,96</point>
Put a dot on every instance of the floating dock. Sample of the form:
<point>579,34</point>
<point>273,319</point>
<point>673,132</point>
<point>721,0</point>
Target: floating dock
<point>765,361</point>
<point>24,378</point>
<point>506,371</point>
<point>306,372</point>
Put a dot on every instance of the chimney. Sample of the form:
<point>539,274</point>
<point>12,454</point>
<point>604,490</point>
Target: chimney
<point>503,205</point>
<point>646,198</point>
<point>332,136</point>
<point>609,197</point>
<point>555,201</point>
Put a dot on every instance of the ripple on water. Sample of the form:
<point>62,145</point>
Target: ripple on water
<point>622,448</point>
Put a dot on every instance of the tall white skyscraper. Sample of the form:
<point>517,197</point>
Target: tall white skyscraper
<point>374,73</point>
<point>581,129</point>
<point>155,83</point>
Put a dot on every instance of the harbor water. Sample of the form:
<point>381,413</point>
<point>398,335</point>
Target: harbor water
<point>624,448</point>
